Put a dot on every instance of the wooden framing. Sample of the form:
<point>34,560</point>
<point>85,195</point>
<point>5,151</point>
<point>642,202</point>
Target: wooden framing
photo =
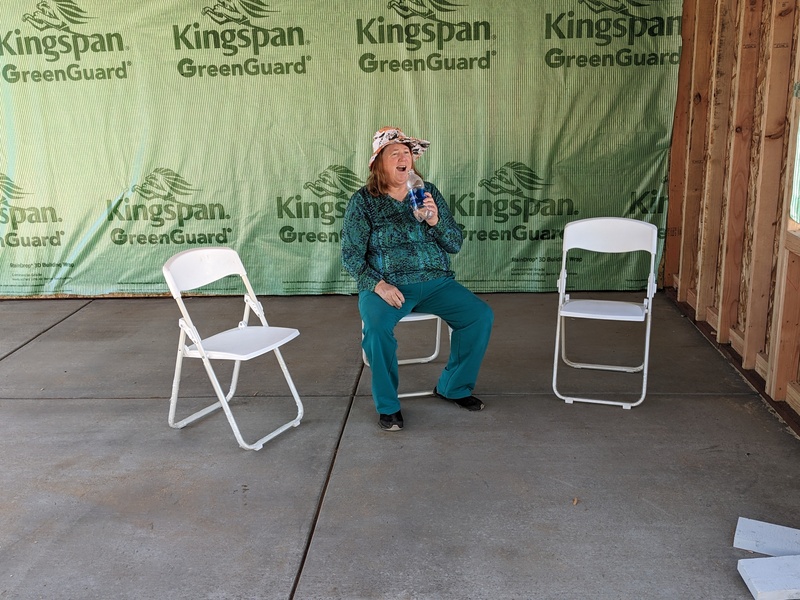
<point>731,173</point>
<point>696,163</point>
<point>723,41</point>
<point>678,151</point>
<point>738,163</point>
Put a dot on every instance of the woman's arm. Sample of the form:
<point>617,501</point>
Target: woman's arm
<point>356,231</point>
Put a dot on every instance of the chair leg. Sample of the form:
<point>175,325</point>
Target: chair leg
<point>599,367</point>
<point>560,354</point>
<point>173,400</point>
<point>426,359</point>
<point>223,402</point>
<point>234,380</point>
<point>176,384</point>
<point>408,361</point>
<point>298,403</point>
<point>436,348</point>
<point>557,359</point>
<point>416,394</point>
<point>258,444</point>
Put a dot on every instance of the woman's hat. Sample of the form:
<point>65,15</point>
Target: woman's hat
<point>392,135</point>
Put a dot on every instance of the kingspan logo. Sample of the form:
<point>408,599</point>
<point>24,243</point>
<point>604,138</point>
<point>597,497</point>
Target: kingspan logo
<point>623,7</point>
<point>336,181</point>
<point>165,194</point>
<point>247,34</point>
<point>512,190</point>
<point>62,17</point>
<point>9,190</point>
<point>56,14</point>
<point>426,23</point>
<point>13,216</point>
<point>627,22</point>
<point>332,188</point>
<point>241,12</point>
<point>428,10</point>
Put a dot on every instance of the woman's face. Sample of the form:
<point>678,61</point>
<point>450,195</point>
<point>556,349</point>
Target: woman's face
<point>396,162</point>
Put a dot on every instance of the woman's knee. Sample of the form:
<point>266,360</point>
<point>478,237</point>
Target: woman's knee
<point>487,316</point>
<point>377,324</point>
<point>374,316</point>
<point>479,318</point>
<point>377,328</point>
<point>483,312</point>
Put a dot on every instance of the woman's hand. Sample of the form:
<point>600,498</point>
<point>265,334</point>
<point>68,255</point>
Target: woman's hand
<point>390,294</point>
<point>430,204</point>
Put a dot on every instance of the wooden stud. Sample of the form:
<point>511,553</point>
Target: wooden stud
<point>696,164</point>
<point>713,200</point>
<point>783,359</point>
<point>679,148</point>
<point>785,349</point>
<point>793,395</point>
<point>738,173</point>
<point>768,184</point>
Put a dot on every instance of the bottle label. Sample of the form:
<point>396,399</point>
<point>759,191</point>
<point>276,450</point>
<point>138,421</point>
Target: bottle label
<point>417,197</point>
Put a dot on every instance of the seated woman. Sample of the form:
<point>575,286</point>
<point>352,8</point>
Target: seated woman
<point>401,264</point>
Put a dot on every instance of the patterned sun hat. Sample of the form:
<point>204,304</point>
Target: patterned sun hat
<point>392,135</point>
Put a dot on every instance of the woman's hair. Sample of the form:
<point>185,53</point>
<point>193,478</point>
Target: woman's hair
<point>376,181</point>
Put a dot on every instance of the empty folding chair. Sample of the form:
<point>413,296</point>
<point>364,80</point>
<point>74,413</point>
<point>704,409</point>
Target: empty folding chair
<point>199,267</point>
<point>605,235</point>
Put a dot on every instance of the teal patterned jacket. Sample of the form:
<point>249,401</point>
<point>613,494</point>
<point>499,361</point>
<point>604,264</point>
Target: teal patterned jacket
<point>381,239</point>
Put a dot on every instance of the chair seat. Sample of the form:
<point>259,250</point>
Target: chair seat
<point>608,310</point>
<point>243,343</point>
<point>417,316</point>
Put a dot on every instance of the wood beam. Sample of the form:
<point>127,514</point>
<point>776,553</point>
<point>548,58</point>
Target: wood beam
<point>723,45</point>
<point>679,148</point>
<point>785,349</point>
<point>768,184</point>
<point>738,173</point>
<point>696,163</point>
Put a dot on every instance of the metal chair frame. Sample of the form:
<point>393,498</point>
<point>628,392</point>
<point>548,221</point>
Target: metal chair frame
<point>195,268</point>
<point>605,235</point>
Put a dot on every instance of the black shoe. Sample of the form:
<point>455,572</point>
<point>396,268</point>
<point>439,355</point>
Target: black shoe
<point>392,422</point>
<point>470,402</point>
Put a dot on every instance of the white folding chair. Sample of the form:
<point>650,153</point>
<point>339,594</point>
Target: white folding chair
<point>605,235</point>
<point>415,317</point>
<point>199,267</point>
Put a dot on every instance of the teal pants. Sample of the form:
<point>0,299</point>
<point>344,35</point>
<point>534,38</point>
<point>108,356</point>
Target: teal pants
<point>468,316</point>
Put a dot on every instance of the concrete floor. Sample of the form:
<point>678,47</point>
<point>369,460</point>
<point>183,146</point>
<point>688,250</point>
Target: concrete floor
<point>531,498</point>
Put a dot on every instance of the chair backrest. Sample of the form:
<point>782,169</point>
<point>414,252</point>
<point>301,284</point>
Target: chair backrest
<point>197,267</point>
<point>611,234</point>
<point>191,269</point>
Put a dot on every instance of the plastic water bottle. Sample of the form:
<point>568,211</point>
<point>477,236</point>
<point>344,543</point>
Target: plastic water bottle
<point>416,195</point>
